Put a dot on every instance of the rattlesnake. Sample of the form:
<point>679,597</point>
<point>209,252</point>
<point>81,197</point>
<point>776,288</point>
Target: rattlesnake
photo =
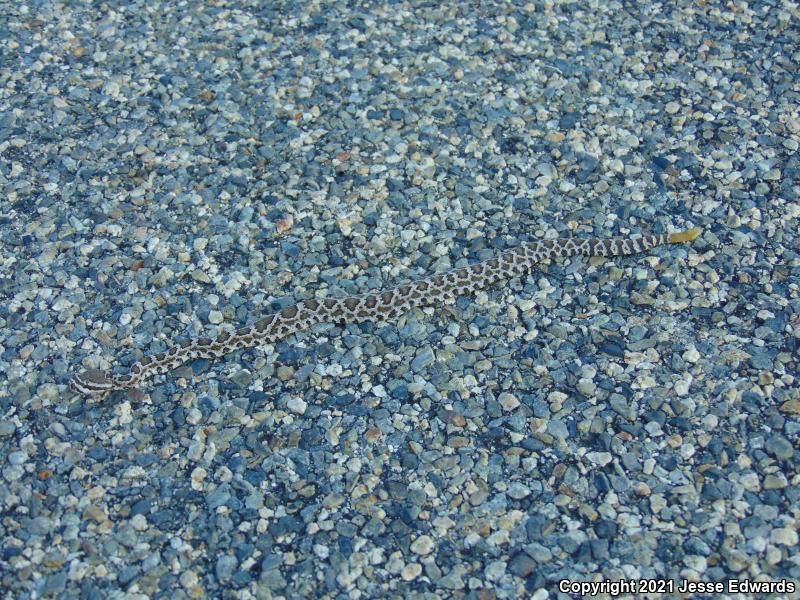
<point>375,306</point>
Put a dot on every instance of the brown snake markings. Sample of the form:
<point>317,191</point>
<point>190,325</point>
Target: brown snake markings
<point>377,306</point>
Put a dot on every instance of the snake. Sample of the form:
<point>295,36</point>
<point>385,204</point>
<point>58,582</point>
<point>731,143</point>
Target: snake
<point>377,306</point>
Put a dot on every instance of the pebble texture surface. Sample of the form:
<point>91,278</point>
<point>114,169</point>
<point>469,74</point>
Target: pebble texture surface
<point>171,170</point>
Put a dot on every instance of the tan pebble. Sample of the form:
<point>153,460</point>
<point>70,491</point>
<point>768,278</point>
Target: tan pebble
<point>411,571</point>
<point>422,545</point>
<point>674,441</point>
<point>482,365</point>
<point>333,500</point>
<point>454,418</point>
<point>791,407</point>
<point>285,373</point>
<point>508,401</point>
<point>775,481</point>
<point>458,441</point>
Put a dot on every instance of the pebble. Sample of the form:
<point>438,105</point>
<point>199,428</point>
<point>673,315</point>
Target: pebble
<point>776,481</point>
<point>225,567</point>
<point>558,429</point>
<point>188,579</point>
<point>682,387</point>
<point>784,536</point>
<point>454,580</point>
<point>779,447</point>
<point>297,405</point>
<point>586,386</point>
<point>422,545</point>
<point>495,570</point>
<point>522,565</point>
<point>601,459</point>
<point>411,571</point>
<point>424,358</point>
<point>285,373</point>
<point>691,355</point>
<point>518,491</point>
<point>508,401</point>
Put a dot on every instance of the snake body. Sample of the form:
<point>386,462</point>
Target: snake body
<point>375,306</point>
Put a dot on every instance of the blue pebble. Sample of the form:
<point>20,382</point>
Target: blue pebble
<point>142,507</point>
<point>400,392</point>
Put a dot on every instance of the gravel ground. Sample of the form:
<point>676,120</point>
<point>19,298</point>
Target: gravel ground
<point>175,169</point>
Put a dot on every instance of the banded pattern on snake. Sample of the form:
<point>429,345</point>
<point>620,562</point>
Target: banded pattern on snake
<point>375,306</point>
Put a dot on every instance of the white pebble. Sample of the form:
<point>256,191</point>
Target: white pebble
<point>599,458</point>
<point>784,536</point>
<point>681,387</point>
<point>198,476</point>
<point>139,522</point>
<point>297,405</point>
<point>422,545</point>
<point>691,355</point>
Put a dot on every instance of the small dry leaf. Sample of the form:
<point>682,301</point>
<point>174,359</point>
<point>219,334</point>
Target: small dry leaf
<point>284,225</point>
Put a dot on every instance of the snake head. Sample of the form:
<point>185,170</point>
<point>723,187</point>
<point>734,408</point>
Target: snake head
<point>92,382</point>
